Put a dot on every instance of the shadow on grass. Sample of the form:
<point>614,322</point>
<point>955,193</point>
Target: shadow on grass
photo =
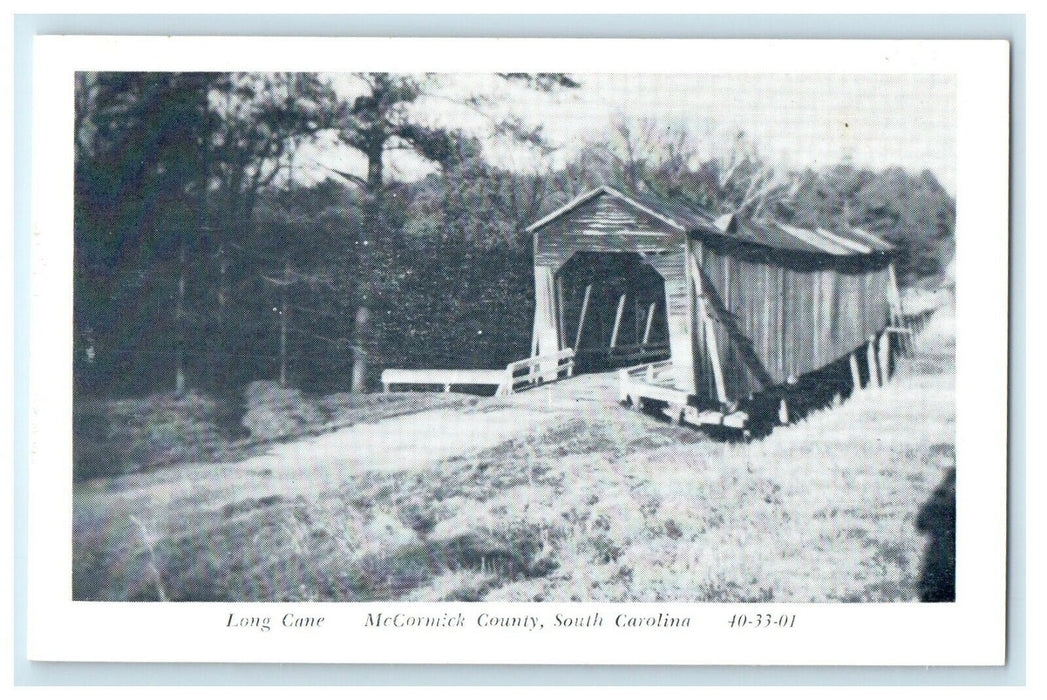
<point>937,519</point>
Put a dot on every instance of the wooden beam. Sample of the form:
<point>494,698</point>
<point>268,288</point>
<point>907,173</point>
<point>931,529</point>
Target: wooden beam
<point>650,318</point>
<point>678,300</point>
<point>581,317</point>
<point>874,379</point>
<point>546,332</point>
<point>711,343</point>
<point>561,331</point>
<point>895,293</point>
<point>714,353</point>
<point>737,420</point>
<point>617,320</point>
<point>636,321</point>
<point>445,378</point>
<point>908,345</point>
<point>710,418</point>
<point>856,377</point>
<point>884,353</point>
<point>534,337</point>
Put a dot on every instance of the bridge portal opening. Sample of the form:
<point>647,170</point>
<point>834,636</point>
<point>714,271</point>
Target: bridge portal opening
<point>611,310</point>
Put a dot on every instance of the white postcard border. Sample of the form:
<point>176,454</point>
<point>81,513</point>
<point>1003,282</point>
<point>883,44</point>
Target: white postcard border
<point>968,632</point>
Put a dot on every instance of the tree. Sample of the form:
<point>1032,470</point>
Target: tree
<point>169,168</point>
<point>645,155</point>
<point>259,120</point>
<point>379,121</point>
<point>374,123</point>
<point>139,139</point>
<point>912,211</point>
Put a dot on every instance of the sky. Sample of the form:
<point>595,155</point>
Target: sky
<point>792,120</point>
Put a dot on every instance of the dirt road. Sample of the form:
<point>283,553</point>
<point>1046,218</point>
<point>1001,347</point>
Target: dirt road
<point>423,439</point>
<point>313,465</point>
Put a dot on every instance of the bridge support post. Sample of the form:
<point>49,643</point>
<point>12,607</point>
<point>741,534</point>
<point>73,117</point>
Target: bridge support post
<point>884,356</point>
<point>874,380</point>
<point>581,317</point>
<point>617,322</point>
<point>546,330</point>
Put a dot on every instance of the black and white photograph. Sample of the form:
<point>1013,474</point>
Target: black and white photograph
<point>515,337</point>
<point>402,351</point>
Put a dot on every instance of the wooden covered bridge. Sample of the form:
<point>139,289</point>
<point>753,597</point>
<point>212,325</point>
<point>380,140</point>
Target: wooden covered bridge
<point>720,318</point>
<point>714,321</point>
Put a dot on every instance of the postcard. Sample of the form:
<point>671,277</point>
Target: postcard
<point>514,351</point>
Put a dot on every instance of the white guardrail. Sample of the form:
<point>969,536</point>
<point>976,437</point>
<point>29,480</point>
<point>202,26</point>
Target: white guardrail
<point>537,370</point>
<point>515,376</point>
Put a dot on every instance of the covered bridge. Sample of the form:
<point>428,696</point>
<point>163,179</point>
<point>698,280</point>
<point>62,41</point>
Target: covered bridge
<point>714,315</point>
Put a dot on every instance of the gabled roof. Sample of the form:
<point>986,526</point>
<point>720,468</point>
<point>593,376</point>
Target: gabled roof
<point>682,217</point>
<point>687,215</point>
<point>841,241</point>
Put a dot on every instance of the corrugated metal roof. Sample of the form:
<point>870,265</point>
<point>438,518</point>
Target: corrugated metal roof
<point>846,241</point>
<point>770,235</point>
<point>819,241</point>
<point>875,241</point>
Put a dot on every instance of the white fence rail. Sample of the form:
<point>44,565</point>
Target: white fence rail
<point>445,378</point>
<point>653,372</point>
<point>515,376</point>
<point>641,385</point>
<point>537,370</point>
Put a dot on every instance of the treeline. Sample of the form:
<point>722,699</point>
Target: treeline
<point>201,262</point>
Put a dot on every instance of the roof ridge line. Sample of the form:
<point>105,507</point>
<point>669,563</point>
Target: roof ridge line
<point>613,192</point>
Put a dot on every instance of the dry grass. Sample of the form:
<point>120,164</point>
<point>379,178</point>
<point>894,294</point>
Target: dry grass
<point>600,504</point>
<point>114,437</point>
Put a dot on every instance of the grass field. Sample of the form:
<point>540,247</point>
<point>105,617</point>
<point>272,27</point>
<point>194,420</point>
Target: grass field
<point>547,495</point>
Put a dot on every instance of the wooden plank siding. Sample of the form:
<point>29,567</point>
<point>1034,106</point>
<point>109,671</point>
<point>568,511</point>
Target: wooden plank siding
<point>781,302</point>
<point>679,305</point>
<point>602,225</point>
<point>546,331</point>
<point>606,224</point>
<point>795,318</point>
